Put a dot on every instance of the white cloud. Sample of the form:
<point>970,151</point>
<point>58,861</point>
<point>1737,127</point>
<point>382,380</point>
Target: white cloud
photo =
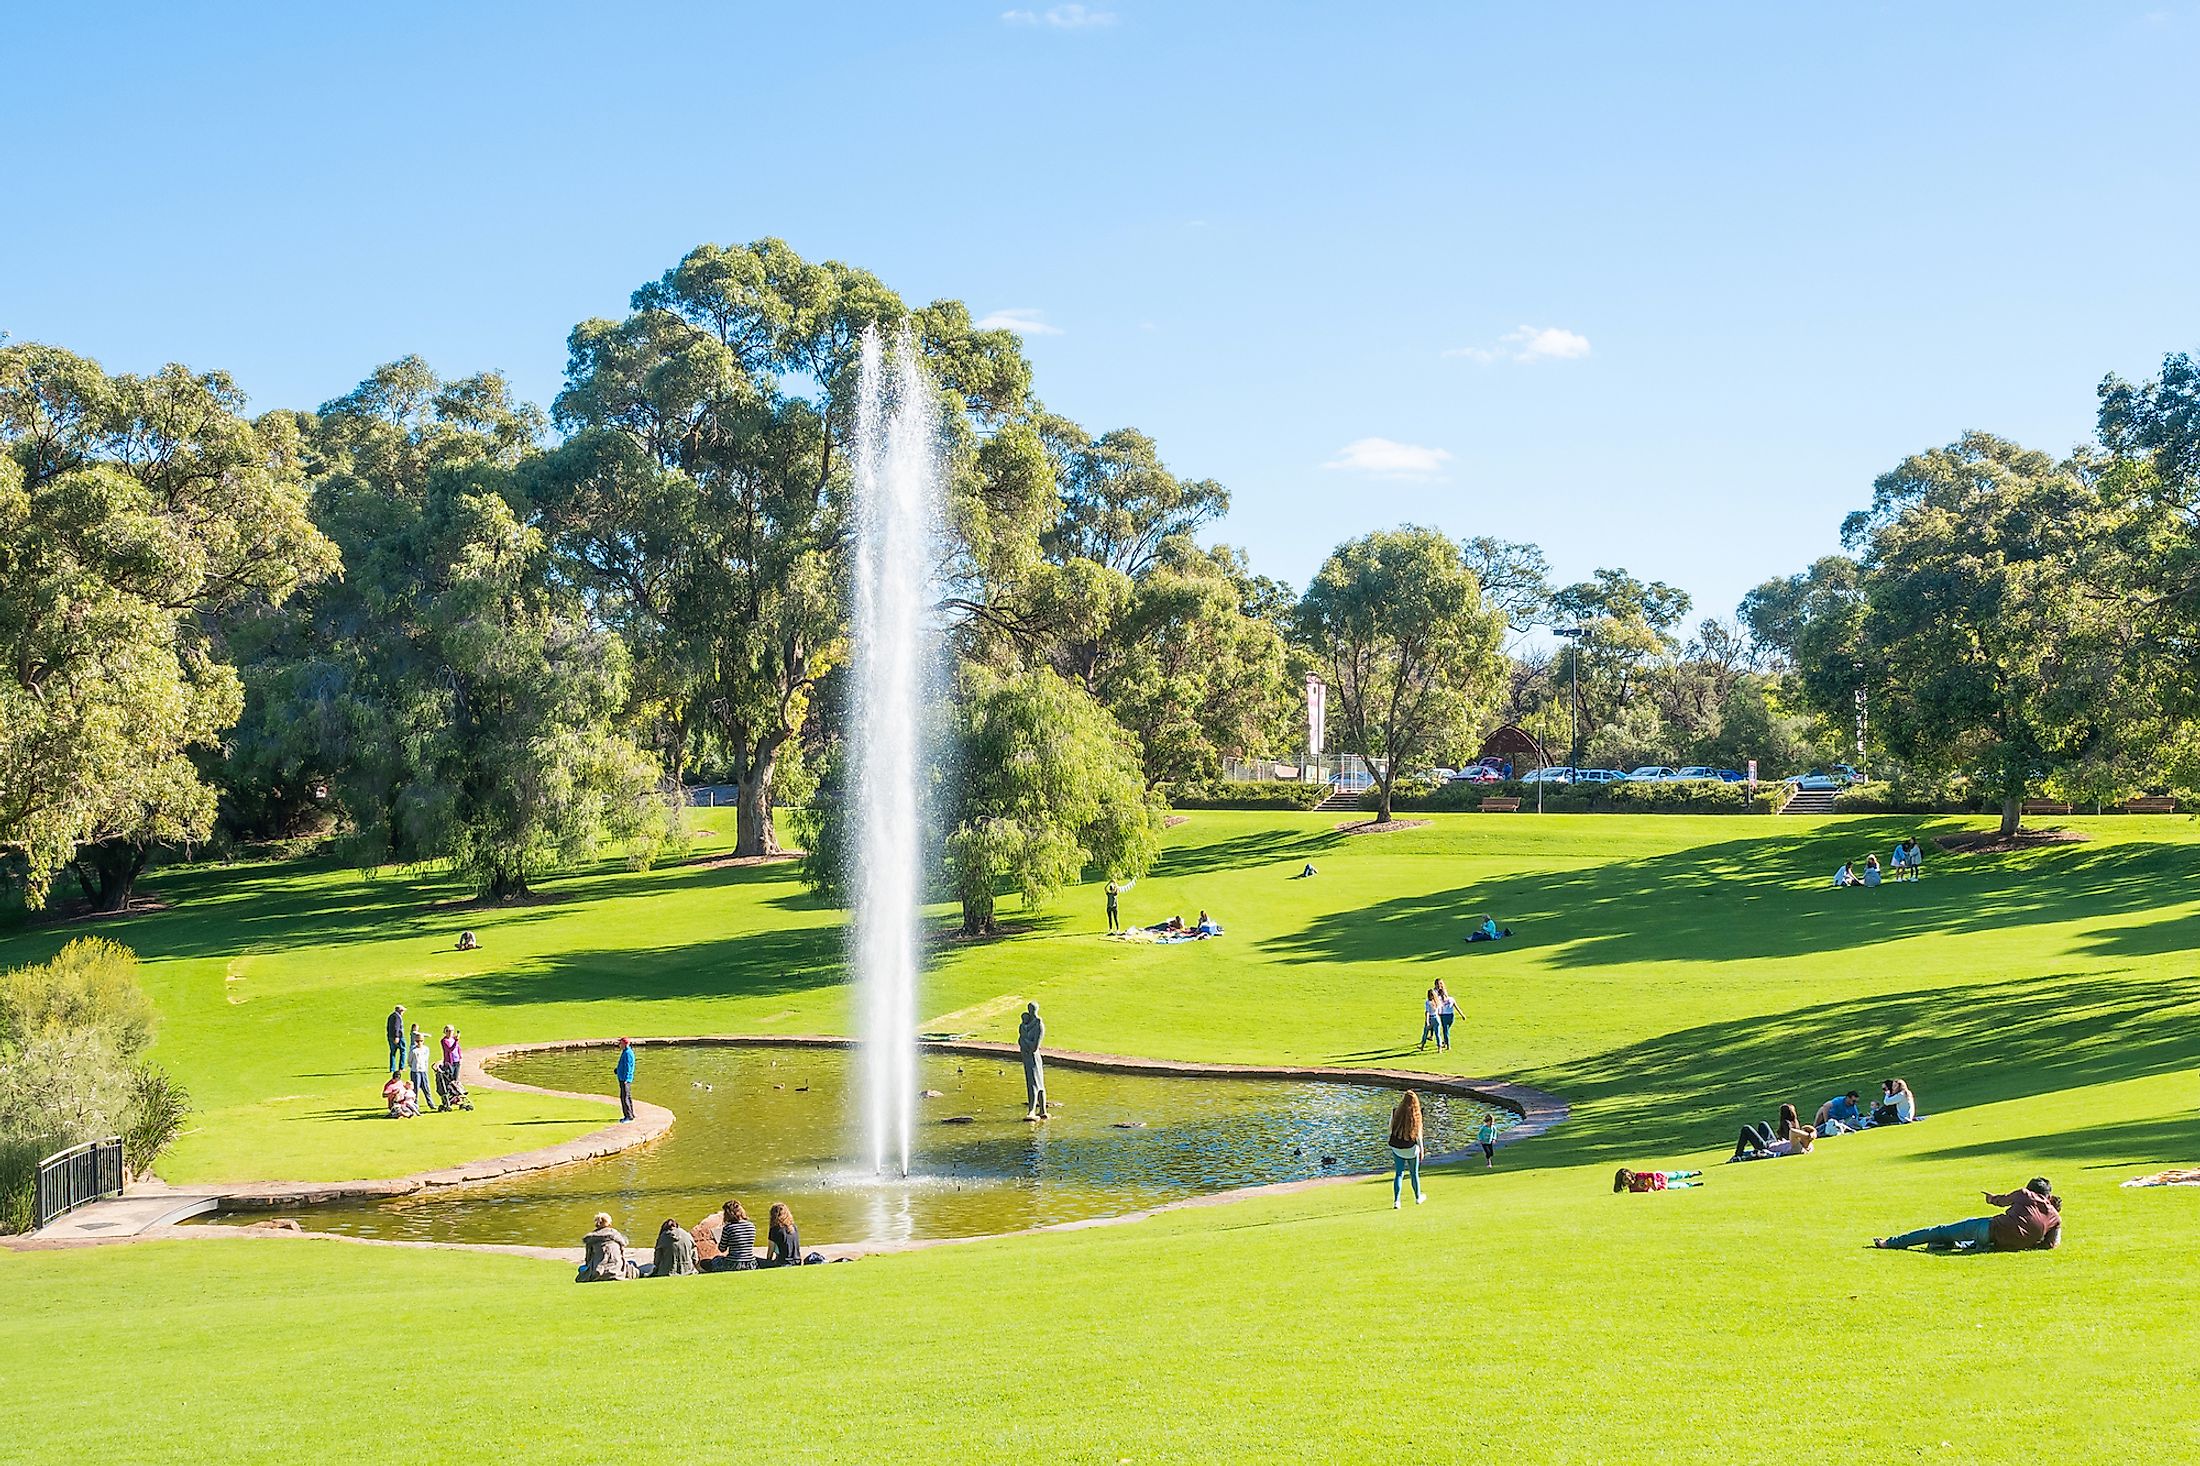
<point>1529,343</point>
<point>1061,17</point>
<point>1387,458</point>
<point>1023,322</point>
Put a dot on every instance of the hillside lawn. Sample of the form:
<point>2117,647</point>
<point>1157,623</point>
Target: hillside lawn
<point>1671,976</point>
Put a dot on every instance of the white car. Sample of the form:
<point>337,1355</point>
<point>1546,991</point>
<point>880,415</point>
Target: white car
<point>1551,775</point>
<point>1598,776</point>
<point>1698,771</point>
<point>1653,774</point>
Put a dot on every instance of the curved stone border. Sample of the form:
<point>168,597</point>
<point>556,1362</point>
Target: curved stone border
<point>1538,1110</point>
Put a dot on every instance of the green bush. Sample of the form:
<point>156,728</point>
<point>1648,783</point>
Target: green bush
<point>1874,796</point>
<point>1695,796</point>
<point>71,1031</point>
<point>1246,794</point>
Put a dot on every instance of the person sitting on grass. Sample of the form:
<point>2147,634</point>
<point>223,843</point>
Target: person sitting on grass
<point>2031,1220</point>
<point>1871,870</point>
<point>1897,1106</point>
<point>736,1241</point>
<point>785,1244</point>
<point>1641,1181</point>
<point>403,1101</point>
<point>1754,1134</point>
<point>675,1255</point>
<point>1206,927</point>
<point>1845,876</point>
<point>603,1254</point>
<point>1839,1115</point>
<point>468,943</point>
<point>1488,931</point>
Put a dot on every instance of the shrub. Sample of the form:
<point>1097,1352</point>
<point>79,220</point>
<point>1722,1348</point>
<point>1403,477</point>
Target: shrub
<point>1696,796</point>
<point>1872,797</point>
<point>1245,794</point>
<point>70,1033</point>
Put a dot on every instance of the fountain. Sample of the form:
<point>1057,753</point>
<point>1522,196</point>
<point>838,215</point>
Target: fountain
<point>895,641</point>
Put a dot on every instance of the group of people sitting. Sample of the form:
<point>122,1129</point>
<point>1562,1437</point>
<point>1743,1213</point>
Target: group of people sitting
<point>1787,1135</point>
<point>1907,861</point>
<point>1174,930</point>
<point>724,1242</point>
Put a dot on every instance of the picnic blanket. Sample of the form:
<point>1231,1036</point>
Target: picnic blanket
<point>2184,1176</point>
<point>1160,939</point>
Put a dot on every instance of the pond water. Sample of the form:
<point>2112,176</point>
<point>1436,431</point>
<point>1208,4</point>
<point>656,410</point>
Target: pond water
<point>772,1124</point>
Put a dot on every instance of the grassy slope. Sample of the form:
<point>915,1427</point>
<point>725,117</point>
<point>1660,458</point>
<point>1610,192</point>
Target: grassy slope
<point>1670,972</point>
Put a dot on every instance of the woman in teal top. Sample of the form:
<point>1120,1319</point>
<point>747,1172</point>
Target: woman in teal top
<point>1486,1137</point>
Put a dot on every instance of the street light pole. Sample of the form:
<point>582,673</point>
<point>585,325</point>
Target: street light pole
<point>1579,636</point>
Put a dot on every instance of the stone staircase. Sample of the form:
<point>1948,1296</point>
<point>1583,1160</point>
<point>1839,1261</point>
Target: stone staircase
<point>1345,800</point>
<point>1809,801</point>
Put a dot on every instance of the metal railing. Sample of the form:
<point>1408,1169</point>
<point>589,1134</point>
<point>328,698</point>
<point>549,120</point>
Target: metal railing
<point>69,1178</point>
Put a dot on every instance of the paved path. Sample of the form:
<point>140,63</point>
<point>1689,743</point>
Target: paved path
<point>136,1211</point>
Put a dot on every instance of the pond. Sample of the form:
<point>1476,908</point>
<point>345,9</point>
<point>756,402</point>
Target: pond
<point>767,1124</point>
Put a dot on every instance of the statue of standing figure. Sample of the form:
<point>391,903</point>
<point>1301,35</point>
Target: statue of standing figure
<point>1029,1033</point>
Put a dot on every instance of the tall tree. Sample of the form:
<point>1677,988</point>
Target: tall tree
<point>1399,630</point>
<point>701,496</point>
<point>449,690</point>
<point>1980,628</point>
<point>1629,641</point>
<point>137,514</point>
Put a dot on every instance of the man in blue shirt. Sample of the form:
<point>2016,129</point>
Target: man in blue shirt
<point>1841,1112</point>
<point>625,1070</point>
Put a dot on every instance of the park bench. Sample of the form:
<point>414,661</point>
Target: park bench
<point>2044,806</point>
<point>1500,806</point>
<point>2149,804</point>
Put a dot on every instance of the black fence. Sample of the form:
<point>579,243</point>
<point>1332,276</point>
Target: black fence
<point>69,1178</point>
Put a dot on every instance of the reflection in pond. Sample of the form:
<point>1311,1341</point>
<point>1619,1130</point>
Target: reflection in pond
<point>780,1124</point>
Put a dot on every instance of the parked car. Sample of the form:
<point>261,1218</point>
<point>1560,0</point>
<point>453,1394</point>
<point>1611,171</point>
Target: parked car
<point>1598,776</point>
<point>1696,771</point>
<point>1824,780</point>
<point>1652,774</point>
<point>1551,775</point>
<point>1731,776</point>
<point>1479,774</point>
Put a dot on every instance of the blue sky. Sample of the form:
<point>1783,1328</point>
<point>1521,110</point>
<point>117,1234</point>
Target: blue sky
<point>1654,286</point>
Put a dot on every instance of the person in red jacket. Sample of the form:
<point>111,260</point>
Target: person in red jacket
<point>1640,1181</point>
<point>2030,1220</point>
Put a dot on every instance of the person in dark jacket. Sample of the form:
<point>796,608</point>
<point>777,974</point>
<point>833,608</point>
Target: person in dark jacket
<point>736,1240</point>
<point>395,1028</point>
<point>624,1069</point>
<point>785,1243</point>
<point>2030,1220</point>
<point>675,1256</point>
<point>1029,1033</point>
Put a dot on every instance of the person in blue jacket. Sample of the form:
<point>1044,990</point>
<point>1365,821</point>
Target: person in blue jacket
<point>625,1070</point>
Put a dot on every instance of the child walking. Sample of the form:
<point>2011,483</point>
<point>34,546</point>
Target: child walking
<point>1486,1137</point>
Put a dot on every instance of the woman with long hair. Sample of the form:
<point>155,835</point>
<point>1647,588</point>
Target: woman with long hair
<point>786,1242</point>
<point>1405,1148</point>
<point>736,1240</point>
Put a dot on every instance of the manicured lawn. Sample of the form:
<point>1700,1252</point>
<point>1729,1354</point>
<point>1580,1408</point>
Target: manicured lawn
<point>1671,976</point>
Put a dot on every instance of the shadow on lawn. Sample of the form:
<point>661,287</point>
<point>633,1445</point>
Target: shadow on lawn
<point>1241,852</point>
<point>753,964</point>
<point>1759,898</point>
<point>2134,1145</point>
<point>2005,1041</point>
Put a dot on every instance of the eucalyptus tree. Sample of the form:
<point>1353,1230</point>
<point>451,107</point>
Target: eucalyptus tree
<point>1980,623</point>
<point>137,514</point>
<point>449,691</point>
<point>701,497</point>
<point>1399,629</point>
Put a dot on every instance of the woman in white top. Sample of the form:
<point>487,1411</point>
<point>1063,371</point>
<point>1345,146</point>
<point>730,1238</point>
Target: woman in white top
<point>1428,1019</point>
<point>1405,1148</point>
<point>1446,1010</point>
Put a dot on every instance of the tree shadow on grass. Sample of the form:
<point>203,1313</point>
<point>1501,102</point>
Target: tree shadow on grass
<point>769,963</point>
<point>2013,1040</point>
<point>2134,1145</point>
<point>1753,899</point>
<point>1243,852</point>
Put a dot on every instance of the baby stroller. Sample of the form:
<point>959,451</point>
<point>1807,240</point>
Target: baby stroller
<point>450,1094</point>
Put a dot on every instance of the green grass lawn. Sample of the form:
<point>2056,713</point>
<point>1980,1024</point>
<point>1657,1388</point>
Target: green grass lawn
<point>1671,976</point>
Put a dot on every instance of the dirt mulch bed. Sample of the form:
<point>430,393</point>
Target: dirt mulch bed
<point>1172,821</point>
<point>731,862</point>
<point>1378,827</point>
<point>499,903</point>
<point>955,936</point>
<point>1990,842</point>
<point>76,911</point>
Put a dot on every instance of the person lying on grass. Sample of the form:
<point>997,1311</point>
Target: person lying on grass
<point>2031,1220</point>
<point>1758,1143</point>
<point>1640,1181</point>
<point>1753,1134</point>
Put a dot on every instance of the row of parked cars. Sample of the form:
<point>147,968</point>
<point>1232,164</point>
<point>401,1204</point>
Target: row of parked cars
<point>1838,777</point>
